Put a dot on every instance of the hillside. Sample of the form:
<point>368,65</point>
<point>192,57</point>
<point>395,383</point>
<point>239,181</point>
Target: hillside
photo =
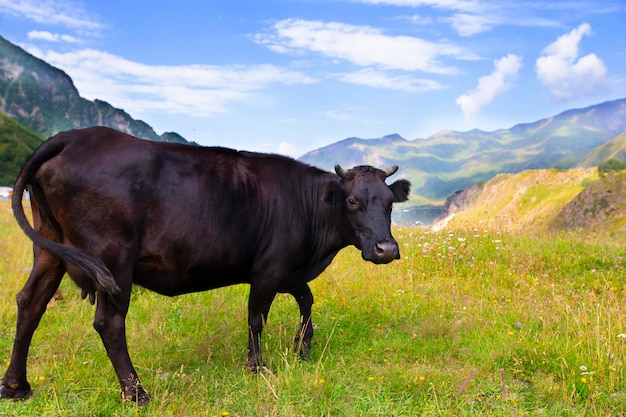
<point>615,148</point>
<point>601,205</point>
<point>16,144</point>
<point>45,100</point>
<point>449,161</point>
<point>540,200</point>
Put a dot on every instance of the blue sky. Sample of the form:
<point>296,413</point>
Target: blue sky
<point>291,76</point>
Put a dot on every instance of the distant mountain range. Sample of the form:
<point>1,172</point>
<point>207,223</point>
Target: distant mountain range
<point>44,99</point>
<point>449,161</point>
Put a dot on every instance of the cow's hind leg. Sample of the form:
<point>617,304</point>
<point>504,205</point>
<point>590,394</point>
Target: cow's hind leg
<point>302,342</point>
<point>110,323</point>
<point>259,304</point>
<point>32,300</point>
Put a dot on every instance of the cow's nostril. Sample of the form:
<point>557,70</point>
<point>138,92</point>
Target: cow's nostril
<point>386,251</point>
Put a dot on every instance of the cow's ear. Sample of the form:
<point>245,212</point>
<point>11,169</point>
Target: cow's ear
<point>333,194</point>
<point>400,189</point>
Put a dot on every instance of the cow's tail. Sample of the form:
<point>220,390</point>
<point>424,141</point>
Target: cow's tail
<point>92,266</point>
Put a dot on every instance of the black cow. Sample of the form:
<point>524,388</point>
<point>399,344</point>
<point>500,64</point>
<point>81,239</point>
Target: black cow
<point>113,210</point>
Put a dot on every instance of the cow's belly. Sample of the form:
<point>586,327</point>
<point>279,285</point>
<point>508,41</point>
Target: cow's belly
<point>168,280</point>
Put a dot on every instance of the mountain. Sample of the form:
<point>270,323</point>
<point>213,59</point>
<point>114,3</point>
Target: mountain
<point>16,144</point>
<point>450,161</point>
<point>615,148</point>
<point>45,100</point>
<point>515,201</point>
<point>540,200</point>
<point>600,206</point>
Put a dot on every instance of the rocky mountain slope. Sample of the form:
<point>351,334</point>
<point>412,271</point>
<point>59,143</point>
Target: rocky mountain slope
<point>600,206</point>
<point>540,200</point>
<point>45,100</point>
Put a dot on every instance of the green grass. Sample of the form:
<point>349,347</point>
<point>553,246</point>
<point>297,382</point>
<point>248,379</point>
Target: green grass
<point>469,324</point>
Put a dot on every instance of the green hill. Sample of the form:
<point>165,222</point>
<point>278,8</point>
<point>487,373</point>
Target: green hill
<point>16,144</point>
<point>540,200</point>
<point>615,148</point>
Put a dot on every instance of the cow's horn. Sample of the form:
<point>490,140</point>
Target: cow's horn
<point>390,171</point>
<point>340,171</point>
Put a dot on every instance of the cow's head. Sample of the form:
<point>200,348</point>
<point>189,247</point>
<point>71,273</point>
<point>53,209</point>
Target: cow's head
<point>368,200</point>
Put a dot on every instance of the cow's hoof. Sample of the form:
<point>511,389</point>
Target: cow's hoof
<point>16,391</point>
<point>136,395</point>
<point>256,367</point>
<point>303,347</point>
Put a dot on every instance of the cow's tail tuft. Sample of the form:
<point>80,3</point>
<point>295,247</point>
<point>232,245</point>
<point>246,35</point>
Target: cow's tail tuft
<point>92,266</point>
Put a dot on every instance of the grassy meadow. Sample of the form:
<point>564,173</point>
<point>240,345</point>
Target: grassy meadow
<point>471,323</point>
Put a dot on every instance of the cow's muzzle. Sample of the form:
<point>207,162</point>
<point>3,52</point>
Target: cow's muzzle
<point>383,252</point>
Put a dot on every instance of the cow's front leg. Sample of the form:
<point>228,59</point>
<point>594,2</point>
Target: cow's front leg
<point>110,324</point>
<point>259,304</point>
<point>302,342</point>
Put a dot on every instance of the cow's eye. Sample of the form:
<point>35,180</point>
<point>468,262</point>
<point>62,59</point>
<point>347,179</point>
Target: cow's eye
<point>352,203</point>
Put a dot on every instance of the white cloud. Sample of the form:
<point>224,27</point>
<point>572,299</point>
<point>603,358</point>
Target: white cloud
<point>470,17</point>
<point>490,86</point>
<point>287,148</point>
<point>362,45</point>
<point>51,37</point>
<point>52,12</point>
<point>568,75</point>
<point>420,20</point>
<point>378,79</point>
<point>470,24</point>
<point>196,90</point>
